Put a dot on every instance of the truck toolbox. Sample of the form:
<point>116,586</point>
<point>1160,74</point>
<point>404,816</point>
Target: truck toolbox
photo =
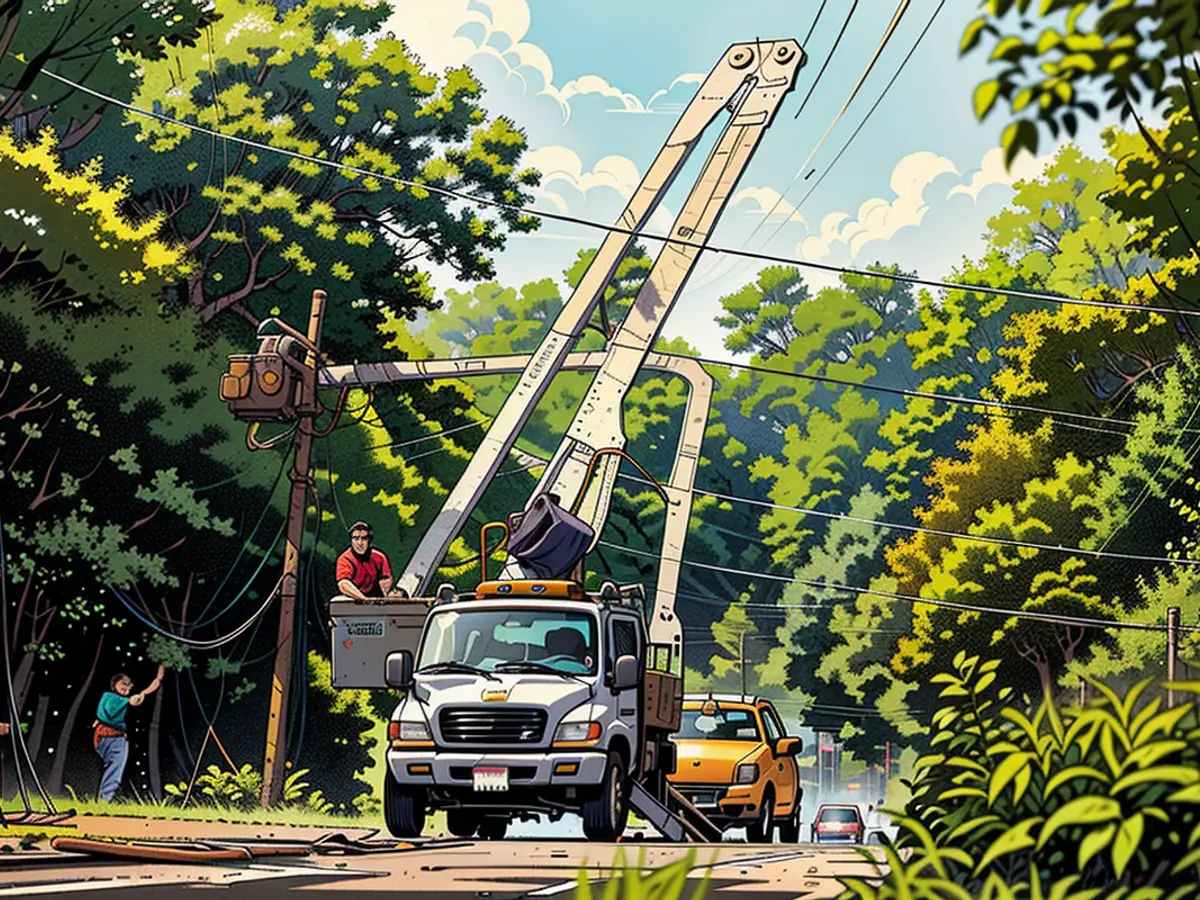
<point>365,633</point>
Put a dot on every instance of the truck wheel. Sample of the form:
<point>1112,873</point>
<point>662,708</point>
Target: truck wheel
<point>403,809</point>
<point>762,829</point>
<point>789,831</point>
<point>605,815</point>
<point>461,823</point>
<point>493,829</point>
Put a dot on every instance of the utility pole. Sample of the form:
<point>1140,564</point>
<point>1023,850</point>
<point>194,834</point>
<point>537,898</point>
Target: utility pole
<point>887,765</point>
<point>742,660</point>
<point>273,775</point>
<point>1172,649</point>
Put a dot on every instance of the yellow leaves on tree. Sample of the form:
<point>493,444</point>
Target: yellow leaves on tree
<point>83,190</point>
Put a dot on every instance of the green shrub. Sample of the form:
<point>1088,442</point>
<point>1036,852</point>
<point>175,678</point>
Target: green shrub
<point>1074,804</point>
<point>626,882</point>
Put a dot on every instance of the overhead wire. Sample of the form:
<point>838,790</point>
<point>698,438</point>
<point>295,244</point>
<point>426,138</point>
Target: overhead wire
<point>1049,412</point>
<point>901,9</point>
<point>617,229</point>
<point>1033,615</point>
<point>875,105</point>
<point>938,532</point>
<point>828,58</point>
<point>199,645</point>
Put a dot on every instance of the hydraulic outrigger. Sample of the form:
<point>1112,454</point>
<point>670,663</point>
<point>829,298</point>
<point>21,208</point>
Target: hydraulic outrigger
<point>750,81</point>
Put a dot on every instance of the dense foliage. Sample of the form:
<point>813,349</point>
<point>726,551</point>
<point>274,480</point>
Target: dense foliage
<point>132,509</point>
<point>1043,801</point>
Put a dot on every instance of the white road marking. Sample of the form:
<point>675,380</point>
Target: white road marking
<point>217,874</point>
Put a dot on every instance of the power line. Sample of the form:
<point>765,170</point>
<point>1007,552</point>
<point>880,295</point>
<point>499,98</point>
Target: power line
<point>901,9</point>
<point>920,395</point>
<point>874,106</point>
<point>813,26</point>
<point>199,645</point>
<point>829,57</point>
<point>919,529</point>
<point>617,229</point>
<point>1078,621</point>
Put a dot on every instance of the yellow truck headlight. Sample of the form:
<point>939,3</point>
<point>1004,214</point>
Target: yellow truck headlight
<point>747,773</point>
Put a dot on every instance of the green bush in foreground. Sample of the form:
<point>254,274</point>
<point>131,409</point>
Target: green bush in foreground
<point>627,882</point>
<point>1075,804</point>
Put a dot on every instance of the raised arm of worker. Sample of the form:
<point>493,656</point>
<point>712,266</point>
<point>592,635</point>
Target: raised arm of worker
<point>136,699</point>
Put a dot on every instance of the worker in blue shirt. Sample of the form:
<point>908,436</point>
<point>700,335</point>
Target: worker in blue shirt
<point>109,728</point>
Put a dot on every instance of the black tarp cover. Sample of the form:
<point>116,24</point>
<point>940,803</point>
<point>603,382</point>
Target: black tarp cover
<point>549,541</point>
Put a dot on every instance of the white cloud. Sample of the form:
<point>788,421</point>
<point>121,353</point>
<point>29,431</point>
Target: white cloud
<point>768,204</point>
<point>445,33</point>
<point>991,171</point>
<point>561,166</point>
<point>880,219</point>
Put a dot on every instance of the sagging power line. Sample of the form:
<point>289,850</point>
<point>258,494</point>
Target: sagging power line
<point>1054,618</point>
<point>617,229</point>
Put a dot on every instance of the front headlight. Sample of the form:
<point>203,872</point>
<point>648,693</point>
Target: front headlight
<point>747,773</point>
<point>412,731</point>
<point>577,732</point>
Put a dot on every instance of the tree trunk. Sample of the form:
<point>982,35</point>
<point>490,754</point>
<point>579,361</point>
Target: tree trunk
<point>39,727</point>
<point>54,784</point>
<point>156,787</point>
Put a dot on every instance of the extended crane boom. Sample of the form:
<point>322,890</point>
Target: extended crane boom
<point>599,422</point>
<point>751,79</point>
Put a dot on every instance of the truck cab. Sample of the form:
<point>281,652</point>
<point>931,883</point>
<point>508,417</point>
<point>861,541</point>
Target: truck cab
<point>524,698</point>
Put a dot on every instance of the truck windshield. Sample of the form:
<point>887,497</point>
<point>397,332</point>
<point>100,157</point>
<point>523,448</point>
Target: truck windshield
<point>723,725</point>
<point>487,639</point>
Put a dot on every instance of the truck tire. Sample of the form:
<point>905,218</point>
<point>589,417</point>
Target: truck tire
<point>461,823</point>
<point>493,828</point>
<point>403,809</point>
<point>604,815</point>
<point>762,829</point>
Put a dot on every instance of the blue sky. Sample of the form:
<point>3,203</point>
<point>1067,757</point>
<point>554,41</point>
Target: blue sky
<point>597,86</point>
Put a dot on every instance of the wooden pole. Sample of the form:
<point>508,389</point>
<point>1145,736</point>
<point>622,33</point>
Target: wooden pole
<point>1172,649</point>
<point>273,775</point>
<point>742,660</point>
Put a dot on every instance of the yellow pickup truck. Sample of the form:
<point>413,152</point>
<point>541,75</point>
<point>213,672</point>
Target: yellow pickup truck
<point>738,766</point>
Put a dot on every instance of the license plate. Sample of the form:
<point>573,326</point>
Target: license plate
<point>490,779</point>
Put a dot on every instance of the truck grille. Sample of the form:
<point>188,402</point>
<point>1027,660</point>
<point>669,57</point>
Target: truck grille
<point>492,726</point>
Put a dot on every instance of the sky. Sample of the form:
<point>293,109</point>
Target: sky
<point>598,86</point>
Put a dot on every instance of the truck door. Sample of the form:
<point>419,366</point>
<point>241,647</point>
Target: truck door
<point>625,641</point>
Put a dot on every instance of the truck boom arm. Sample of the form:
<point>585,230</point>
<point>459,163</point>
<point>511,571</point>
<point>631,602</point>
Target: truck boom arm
<point>599,423</point>
<point>719,88</point>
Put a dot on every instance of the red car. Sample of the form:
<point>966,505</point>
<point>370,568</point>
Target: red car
<point>838,822</point>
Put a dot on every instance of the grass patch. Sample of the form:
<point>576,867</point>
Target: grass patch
<point>206,812</point>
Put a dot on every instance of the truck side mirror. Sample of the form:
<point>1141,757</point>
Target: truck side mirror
<point>788,746</point>
<point>398,670</point>
<point>627,674</point>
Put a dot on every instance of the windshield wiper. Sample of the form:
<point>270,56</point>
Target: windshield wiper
<point>534,666</point>
<point>454,666</point>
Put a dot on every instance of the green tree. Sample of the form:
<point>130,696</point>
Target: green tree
<point>322,83</point>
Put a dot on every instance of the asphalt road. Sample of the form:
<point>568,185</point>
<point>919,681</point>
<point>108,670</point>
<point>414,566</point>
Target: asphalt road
<point>448,870</point>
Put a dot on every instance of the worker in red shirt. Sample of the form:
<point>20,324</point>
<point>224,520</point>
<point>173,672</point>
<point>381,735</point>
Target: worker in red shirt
<point>363,573</point>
